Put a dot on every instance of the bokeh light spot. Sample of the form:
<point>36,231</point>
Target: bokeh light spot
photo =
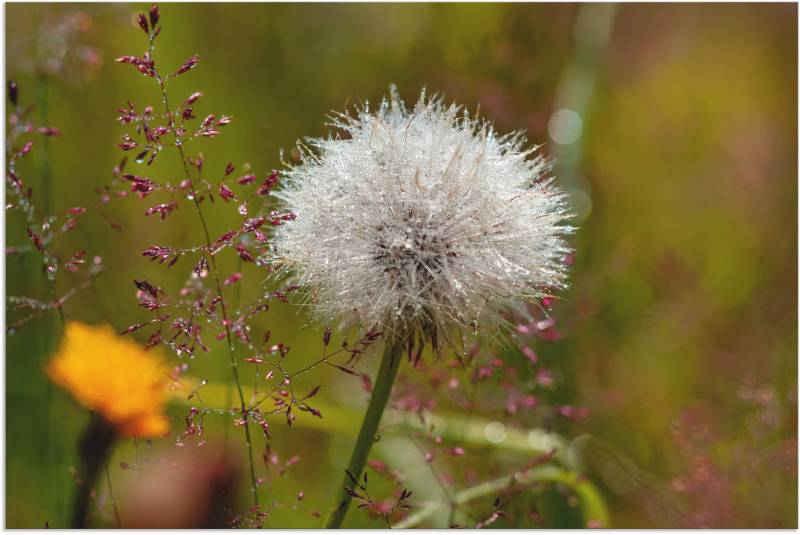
<point>565,127</point>
<point>495,432</point>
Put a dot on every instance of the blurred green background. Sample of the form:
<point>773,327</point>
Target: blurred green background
<point>679,154</point>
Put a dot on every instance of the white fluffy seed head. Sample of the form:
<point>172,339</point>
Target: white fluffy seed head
<point>421,220</point>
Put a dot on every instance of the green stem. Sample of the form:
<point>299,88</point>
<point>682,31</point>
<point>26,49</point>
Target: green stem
<point>390,363</point>
<point>229,388</point>
<point>592,503</point>
<point>217,283</point>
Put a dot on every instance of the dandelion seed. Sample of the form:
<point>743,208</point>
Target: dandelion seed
<point>422,220</point>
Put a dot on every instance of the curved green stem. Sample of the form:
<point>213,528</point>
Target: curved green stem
<point>592,503</point>
<point>390,363</point>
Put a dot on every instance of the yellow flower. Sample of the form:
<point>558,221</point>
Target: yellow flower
<point>115,377</point>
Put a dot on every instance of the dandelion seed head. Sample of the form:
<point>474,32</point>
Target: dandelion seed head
<point>421,218</point>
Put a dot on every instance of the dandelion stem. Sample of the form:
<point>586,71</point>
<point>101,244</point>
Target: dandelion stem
<point>390,363</point>
<point>215,275</point>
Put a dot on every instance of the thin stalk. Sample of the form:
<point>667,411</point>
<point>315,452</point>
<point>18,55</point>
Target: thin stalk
<point>215,275</point>
<point>236,301</point>
<point>436,476</point>
<point>462,432</point>
<point>390,363</point>
<point>229,386</point>
<point>111,496</point>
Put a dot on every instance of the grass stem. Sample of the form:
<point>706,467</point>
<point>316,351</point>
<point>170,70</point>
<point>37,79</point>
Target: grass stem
<point>111,497</point>
<point>215,275</point>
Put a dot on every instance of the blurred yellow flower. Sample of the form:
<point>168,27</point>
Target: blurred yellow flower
<point>115,377</point>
